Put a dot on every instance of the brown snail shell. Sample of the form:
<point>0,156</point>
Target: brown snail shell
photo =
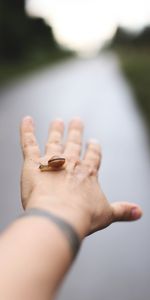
<point>54,164</point>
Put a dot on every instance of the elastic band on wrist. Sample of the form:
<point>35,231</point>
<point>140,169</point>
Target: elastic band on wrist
<point>67,229</point>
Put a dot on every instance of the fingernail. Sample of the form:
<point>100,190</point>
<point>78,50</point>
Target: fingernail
<point>29,119</point>
<point>136,213</point>
<point>77,120</point>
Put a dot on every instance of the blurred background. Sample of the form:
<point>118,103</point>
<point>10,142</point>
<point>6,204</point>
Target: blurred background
<point>90,59</point>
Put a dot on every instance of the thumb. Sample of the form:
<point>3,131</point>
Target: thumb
<point>124,211</point>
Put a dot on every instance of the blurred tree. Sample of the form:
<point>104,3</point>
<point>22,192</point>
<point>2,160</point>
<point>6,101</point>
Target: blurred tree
<point>134,53</point>
<point>143,38</point>
<point>21,36</point>
<point>124,37</point>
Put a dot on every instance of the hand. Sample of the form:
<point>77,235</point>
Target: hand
<point>73,193</point>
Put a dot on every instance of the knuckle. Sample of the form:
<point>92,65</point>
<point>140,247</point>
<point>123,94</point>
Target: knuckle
<point>73,147</point>
<point>92,160</point>
<point>51,146</point>
<point>55,135</point>
<point>29,141</point>
<point>95,149</point>
<point>53,141</point>
<point>92,164</point>
<point>75,132</point>
<point>75,136</point>
<point>75,140</point>
<point>72,158</point>
<point>90,170</point>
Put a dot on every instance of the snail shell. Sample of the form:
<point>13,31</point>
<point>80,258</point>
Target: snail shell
<point>54,164</point>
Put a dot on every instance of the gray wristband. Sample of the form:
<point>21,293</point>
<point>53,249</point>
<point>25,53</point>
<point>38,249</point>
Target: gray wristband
<point>67,229</point>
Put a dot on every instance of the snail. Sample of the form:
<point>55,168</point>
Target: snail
<point>54,164</point>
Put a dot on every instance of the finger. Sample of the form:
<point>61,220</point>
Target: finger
<point>54,143</point>
<point>74,139</point>
<point>29,144</point>
<point>93,156</point>
<point>124,211</point>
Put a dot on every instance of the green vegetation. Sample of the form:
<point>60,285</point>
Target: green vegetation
<point>12,70</point>
<point>136,65</point>
<point>25,43</point>
<point>134,54</point>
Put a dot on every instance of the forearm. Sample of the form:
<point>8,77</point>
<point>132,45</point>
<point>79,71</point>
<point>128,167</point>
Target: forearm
<point>34,257</point>
<point>34,252</point>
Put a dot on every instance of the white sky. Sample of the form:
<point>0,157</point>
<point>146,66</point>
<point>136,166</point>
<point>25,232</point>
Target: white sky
<point>84,25</point>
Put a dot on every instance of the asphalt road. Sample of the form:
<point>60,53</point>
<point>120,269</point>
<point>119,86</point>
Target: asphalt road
<point>113,264</point>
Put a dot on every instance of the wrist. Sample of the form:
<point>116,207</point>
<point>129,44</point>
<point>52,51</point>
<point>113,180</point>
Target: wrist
<point>74,216</point>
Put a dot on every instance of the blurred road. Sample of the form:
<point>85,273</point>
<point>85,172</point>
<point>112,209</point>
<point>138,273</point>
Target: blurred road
<point>113,264</point>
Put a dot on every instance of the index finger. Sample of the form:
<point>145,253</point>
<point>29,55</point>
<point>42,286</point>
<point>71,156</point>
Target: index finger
<point>29,144</point>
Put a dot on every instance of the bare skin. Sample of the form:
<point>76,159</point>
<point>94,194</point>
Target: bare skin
<point>32,248</point>
<point>75,188</point>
